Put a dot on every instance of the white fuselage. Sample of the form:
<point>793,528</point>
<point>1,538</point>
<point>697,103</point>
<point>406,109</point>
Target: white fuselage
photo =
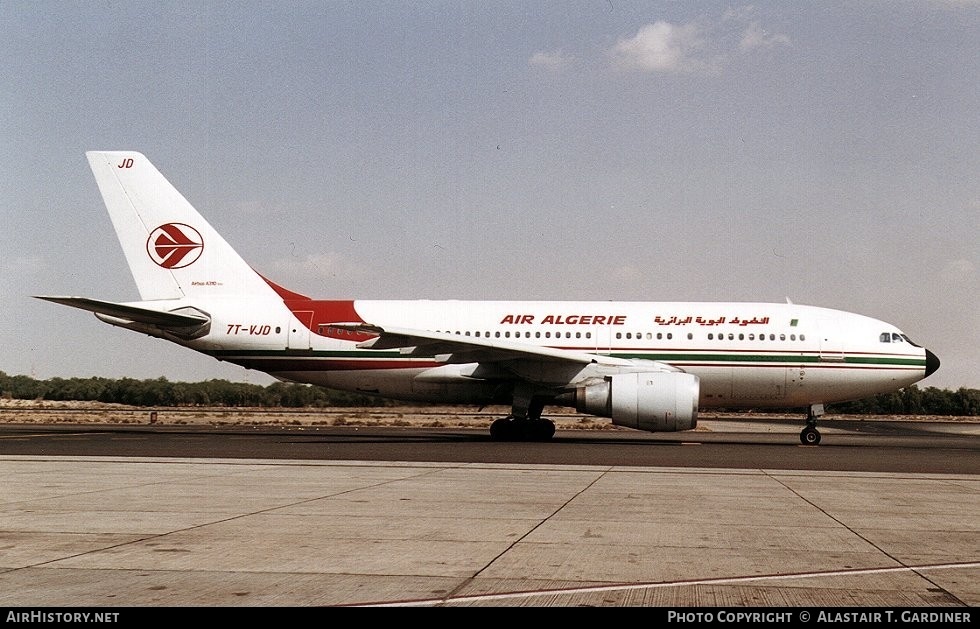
<point>745,354</point>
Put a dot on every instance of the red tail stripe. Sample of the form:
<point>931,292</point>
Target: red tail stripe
<point>323,310</point>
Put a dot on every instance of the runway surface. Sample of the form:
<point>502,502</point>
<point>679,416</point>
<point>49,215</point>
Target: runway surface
<point>872,446</point>
<point>741,515</point>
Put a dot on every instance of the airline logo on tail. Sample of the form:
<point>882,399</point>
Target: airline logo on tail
<point>175,245</point>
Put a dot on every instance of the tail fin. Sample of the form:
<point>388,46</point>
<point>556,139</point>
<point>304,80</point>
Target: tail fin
<point>171,250</point>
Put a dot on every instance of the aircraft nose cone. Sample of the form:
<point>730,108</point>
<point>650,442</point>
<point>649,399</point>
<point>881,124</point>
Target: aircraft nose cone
<point>932,363</point>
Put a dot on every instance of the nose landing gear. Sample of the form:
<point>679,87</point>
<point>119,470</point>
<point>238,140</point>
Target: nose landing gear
<point>810,436</point>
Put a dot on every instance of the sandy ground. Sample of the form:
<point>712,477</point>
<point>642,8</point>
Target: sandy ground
<point>75,413</point>
<point>47,412</point>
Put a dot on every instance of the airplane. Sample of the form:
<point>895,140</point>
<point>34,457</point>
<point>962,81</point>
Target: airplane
<point>648,366</point>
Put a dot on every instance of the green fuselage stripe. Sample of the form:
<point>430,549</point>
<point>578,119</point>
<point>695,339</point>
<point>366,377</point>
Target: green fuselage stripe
<point>656,356</point>
<point>773,358</point>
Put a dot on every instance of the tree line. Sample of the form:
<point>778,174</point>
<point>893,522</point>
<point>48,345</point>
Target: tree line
<point>162,392</point>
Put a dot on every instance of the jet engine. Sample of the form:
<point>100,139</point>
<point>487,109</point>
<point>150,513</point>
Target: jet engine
<point>652,401</point>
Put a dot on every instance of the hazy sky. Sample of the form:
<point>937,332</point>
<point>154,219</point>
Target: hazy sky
<point>822,151</point>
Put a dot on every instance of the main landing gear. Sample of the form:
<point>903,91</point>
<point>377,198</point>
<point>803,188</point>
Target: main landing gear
<point>512,428</point>
<point>810,436</point>
<point>525,422</point>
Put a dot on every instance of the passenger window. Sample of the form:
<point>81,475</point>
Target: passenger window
<point>751,337</point>
<point>711,336</point>
<point>689,336</point>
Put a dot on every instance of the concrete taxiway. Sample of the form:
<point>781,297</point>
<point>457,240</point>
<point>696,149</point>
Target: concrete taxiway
<point>120,531</point>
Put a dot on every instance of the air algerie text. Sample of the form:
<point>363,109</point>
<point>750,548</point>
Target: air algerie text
<point>565,319</point>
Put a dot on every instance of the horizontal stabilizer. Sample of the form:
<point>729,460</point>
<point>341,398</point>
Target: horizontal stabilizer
<point>131,313</point>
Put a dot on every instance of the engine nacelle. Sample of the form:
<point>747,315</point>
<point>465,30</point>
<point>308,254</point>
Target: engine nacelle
<point>656,402</point>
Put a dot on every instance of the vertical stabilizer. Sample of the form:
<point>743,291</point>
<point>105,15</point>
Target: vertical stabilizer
<point>171,250</point>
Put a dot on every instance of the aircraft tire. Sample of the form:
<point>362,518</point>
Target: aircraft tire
<point>810,436</point>
<point>541,430</point>
<point>510,429</point>
<point>502,429</point>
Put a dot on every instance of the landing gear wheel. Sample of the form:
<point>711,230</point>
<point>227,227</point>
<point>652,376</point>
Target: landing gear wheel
<point>541,430</point>
<point>502,429</point>
<point>810,436</point>
<point>514,429</point>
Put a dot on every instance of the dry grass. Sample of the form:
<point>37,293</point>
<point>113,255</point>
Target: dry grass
<point>80,413</point>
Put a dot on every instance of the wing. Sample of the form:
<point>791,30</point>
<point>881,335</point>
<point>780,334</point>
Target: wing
<point>456,349</point>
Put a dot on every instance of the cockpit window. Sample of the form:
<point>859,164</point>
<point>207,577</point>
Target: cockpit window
<point>910,341</point>
<point>895,337</point>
